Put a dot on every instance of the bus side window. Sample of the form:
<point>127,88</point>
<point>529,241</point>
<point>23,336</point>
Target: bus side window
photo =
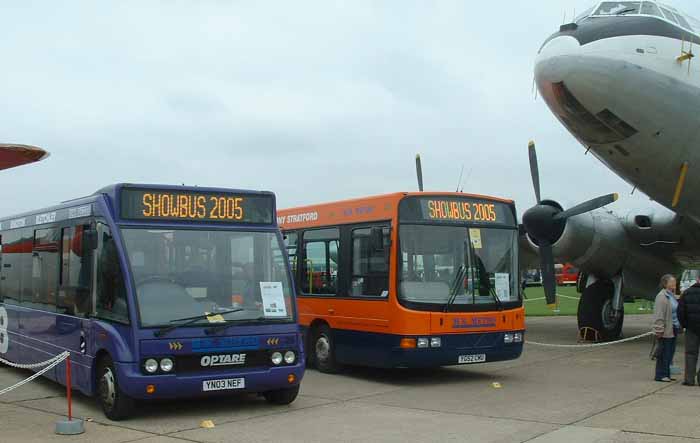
<point>74,295</point>
<point>320,265</point>
<point>45,266</point>
<point>11,271</point>
<point>370,266</point>
<point>111,290</point>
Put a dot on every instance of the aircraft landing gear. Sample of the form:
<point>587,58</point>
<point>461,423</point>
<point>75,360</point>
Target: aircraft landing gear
<point>596,310</point>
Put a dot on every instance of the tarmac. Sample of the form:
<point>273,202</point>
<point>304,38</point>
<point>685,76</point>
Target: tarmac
<point>548,395</point>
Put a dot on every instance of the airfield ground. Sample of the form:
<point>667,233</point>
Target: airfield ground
<point>535,304</point>
<point>548,395</point>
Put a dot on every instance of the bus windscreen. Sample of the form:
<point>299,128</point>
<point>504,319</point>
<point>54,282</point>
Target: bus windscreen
<point>189,205</point>
<point>442,209</point>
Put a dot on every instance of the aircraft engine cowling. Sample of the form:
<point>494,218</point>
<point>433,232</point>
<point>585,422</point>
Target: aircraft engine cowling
<point>595,242</point>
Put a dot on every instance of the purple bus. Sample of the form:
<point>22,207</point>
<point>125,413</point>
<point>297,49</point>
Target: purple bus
<point>156,291</point>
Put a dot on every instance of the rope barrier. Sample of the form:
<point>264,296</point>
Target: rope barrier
<point>590,345</point>
<point>52,363</point>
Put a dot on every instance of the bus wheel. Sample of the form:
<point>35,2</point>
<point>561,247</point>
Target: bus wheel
<point>324,350</point>
<point>282,396</point>
<point>115,404</point>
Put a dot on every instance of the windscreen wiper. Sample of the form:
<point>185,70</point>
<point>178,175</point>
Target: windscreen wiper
<point>223,326</point>
<point>495,297</point>
<point>189,320</point>
<point>626,11</point>
<point>454,287</point>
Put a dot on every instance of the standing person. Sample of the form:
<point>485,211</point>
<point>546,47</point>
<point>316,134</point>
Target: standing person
<point>666,327</point>
<point>689,316</point>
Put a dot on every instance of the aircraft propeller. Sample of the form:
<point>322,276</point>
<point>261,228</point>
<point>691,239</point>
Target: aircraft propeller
<point>545,223</point>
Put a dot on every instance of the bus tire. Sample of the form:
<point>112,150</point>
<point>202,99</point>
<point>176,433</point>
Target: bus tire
<point>114,402</point>
<point>323,348</point>
<point>282,396</point>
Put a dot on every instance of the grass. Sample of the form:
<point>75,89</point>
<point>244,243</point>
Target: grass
<point>536,306</point>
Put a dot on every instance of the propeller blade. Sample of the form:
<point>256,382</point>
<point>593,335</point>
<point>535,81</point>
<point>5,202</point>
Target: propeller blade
<point>547,267</point>
<point>584,207</point>
<point>534,169</point>
<point>419,173</point>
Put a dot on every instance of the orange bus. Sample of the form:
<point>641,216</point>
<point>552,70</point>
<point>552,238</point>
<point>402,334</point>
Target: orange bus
<point>407,280</point>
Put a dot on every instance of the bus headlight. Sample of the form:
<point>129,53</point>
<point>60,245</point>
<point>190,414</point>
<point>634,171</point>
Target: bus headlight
<point>422,342</point>
<point>518,337</point>
<point>150,365</point>
<point>435,342</point>
<point>166,365</point>
<point>276,358</point>
<point>289,357</point>
<point>507,337</point>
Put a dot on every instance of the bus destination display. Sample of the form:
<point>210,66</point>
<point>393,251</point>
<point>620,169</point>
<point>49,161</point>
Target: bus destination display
<point>450,209</point>
<point>173,205</point>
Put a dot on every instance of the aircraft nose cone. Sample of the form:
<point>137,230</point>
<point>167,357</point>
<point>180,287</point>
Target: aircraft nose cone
<point>556,59</point>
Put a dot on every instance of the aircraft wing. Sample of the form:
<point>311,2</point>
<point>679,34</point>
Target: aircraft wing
<point>12,155</point>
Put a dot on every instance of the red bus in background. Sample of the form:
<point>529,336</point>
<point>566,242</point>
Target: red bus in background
<point>566,274</point>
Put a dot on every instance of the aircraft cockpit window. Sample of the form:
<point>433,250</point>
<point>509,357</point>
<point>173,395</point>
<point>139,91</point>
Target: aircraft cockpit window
<point>618,8</point>
<point>669,15</point>
<point>649,8</point>
<point>694,23</point>
<point>682,21</point>
<point>584,14</point>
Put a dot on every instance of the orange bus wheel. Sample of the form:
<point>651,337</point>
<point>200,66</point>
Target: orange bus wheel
<point>323,348</point>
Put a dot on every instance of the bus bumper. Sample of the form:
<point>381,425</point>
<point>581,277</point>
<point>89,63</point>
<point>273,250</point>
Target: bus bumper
<point>458,350</point>
<point>135,384</point>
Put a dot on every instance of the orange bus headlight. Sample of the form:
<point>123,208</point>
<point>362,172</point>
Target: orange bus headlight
<point>408,343</point>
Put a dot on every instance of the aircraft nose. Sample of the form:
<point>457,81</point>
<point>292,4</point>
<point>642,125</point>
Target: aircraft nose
<point>577,83</point>
<point>556,59</point>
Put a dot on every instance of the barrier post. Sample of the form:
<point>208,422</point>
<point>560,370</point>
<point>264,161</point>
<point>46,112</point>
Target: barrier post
<point>70,426</point>
<point>69,389</point>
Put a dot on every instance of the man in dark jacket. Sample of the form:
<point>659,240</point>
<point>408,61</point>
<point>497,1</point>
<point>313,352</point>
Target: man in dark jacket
<point>689,316</point>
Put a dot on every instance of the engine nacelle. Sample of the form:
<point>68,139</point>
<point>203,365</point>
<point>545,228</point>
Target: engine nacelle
<point>603,245</point>
<point>595,242</point>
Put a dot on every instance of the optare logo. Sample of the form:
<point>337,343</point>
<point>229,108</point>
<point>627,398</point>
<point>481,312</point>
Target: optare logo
<point>222,360</point>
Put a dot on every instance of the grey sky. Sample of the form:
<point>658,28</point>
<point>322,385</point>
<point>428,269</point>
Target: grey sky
<point>315,101</point>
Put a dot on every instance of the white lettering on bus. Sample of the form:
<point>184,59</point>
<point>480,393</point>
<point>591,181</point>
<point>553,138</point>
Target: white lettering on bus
<point>80,211</point>
<point>46,218</point>
<point>222,360</point>
<point>18,223</point>
<point>298,218</point>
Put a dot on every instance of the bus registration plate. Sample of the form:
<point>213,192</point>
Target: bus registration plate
<point>471,358</point>
<point>223,384</point>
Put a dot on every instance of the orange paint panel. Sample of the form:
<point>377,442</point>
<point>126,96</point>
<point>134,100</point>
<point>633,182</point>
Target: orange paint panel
<point>380,207</point>
<point>467,322</point>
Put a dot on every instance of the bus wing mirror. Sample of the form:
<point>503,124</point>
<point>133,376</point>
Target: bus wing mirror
<point>90,239</point>
<point>377,239</point>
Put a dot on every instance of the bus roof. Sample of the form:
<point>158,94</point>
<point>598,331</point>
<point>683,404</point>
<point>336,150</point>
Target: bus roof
<point>83,206</point>
<point>357,210</point>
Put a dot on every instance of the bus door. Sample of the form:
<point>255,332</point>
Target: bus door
<point>366,308</point>
<point>319,273</point>
<point>75,303</point>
